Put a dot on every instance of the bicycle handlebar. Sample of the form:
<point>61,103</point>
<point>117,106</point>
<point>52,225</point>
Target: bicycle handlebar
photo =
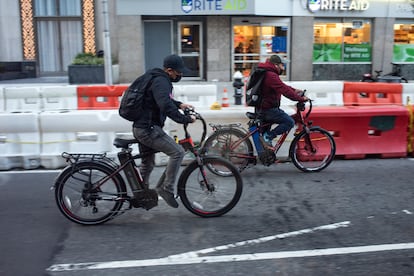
<point>191,111</point>
<point>301,105</point>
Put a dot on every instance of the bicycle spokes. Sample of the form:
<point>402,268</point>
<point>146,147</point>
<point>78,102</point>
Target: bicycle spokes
<point>313,150</point>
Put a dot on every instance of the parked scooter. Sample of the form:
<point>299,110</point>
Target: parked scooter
<point>394,76</point>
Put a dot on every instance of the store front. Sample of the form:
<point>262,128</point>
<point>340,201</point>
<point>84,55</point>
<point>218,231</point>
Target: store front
<point>342,48</point>
<point>256,39</point>
<point>403,48</point>
<point>320,40</point>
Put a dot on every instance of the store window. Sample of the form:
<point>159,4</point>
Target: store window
<point>346,41</point>
<point>59,33</point>
<point>403,43</point>
<point>254,44</point>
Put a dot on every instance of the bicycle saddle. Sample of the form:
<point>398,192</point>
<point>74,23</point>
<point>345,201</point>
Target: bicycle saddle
<point>124,143</point>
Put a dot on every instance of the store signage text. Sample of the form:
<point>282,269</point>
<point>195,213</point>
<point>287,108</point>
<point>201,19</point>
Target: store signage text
<point>213,5</point>
<point>357,52</point>
<point>338,5</point>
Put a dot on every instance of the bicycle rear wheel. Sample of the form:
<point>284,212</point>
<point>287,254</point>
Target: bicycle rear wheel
<point>313,151</point>
<point>81,200</point>
<point>221,143</point>
<point>207,194</point>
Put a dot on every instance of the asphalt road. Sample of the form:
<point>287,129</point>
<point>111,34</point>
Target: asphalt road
<point>354,218</point>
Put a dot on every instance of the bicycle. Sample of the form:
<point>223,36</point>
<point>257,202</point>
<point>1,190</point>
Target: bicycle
<point>92,188</point>
<point>392,77</point>
<point>311,150</point>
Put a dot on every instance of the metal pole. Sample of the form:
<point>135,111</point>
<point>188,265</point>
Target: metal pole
<point>107,44</point>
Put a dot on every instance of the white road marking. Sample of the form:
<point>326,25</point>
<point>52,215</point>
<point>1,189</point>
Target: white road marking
<point>232,258</point>
<point>194,256</point>
<point>263,239</point>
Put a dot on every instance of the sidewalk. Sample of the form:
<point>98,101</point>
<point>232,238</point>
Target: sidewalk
<point>40,80</point>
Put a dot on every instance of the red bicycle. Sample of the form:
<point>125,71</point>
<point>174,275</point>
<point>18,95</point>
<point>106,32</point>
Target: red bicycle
<point>312,149</point>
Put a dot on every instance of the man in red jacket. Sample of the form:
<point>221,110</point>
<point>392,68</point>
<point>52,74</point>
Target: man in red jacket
<point>272,90</point>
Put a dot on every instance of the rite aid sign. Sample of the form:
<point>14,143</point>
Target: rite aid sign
<point>338,5</point>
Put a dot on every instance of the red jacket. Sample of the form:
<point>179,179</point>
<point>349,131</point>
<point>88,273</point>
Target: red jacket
<point>273,87</point>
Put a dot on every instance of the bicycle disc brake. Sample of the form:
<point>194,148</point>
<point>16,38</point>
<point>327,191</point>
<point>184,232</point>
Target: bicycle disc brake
<point>146,199</point>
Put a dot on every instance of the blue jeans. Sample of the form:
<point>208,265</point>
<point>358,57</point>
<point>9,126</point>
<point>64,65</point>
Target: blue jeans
<point>155,139</point>
<point>278,116</point>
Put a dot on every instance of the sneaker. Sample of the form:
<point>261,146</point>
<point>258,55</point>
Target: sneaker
<point>168,197</point>
<point>266,140</point>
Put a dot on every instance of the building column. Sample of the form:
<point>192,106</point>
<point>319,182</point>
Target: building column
<point>382,44</point>
<point>130,47</point>
<point>301,48</point>
<point>218,48</point>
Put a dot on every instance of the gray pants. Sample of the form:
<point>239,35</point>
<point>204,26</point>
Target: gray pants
<point>154,139</point>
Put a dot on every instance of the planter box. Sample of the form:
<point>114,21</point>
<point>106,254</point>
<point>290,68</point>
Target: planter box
<point>90,74</point>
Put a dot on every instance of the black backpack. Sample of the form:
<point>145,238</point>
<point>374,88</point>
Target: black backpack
<point>254,87</point>
<point>132,102</point>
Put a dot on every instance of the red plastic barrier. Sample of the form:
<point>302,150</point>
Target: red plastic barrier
<point>372,93</point>
<point>99,97</point>
<point>410,146</point>
<point>365,130</point>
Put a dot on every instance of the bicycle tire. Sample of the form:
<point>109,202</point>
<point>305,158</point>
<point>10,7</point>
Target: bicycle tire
<point>224,194</point>
<point>219,144</point>
<point>91,207</point>
<point>312,161</point>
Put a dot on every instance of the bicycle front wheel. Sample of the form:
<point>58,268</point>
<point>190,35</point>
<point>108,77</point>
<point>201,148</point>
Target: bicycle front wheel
<point>87,194</point>
<point>206,193</point>
<point>312,151</point>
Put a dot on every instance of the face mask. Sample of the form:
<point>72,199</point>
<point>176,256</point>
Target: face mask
<point>177,78</point>
<point>280,70</point>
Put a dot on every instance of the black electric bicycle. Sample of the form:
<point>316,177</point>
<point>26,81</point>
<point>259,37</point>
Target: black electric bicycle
<point>92,188</point>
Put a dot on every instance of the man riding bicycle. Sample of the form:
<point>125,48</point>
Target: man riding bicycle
<point>272,90</point>
<point>148,128</point>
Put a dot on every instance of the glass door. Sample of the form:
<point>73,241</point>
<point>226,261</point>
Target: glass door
<point>189,48</point>
<point>256,39</point>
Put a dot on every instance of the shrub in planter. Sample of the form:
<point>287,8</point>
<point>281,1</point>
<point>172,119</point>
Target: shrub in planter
<point>87,68</point>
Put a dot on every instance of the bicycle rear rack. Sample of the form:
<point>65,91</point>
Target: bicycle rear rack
<point>220,126</point>
<point>74,158</point>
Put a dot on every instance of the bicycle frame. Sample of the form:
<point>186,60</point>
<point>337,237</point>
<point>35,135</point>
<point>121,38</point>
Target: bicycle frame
<point>128,166</point>
<point>256,126</point>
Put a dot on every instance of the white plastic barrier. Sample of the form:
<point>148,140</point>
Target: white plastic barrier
<point>19,141</point>
<point>59,97</point>
<point>22,99</point>
<point>408,93</point>
<point>82,131</point>
<point>323,93</point>
<point>2,102</point>
<point>198,95</point>
<point>40,98</point>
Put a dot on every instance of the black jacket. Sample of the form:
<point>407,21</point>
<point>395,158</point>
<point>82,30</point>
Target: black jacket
<point>159,103</point>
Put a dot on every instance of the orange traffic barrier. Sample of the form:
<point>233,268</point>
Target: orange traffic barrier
<point>372,93</point>
<point>99,96</point>
<point>365,130</point>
